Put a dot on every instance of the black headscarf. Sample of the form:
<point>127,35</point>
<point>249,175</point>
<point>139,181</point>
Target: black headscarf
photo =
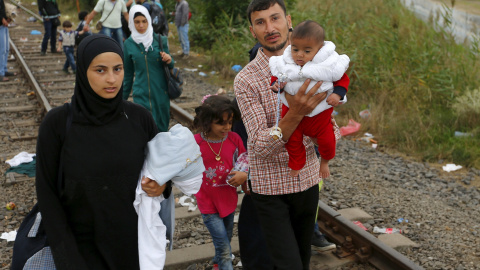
<point>88,107</point>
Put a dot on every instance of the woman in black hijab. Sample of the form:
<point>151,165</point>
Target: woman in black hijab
<point>89,217</point>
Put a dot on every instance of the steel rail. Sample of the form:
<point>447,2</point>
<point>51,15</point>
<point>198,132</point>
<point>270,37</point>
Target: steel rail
<point>27,10</point>
<point>39,93</point>
<point>181,115</point>
<point>351,240</point>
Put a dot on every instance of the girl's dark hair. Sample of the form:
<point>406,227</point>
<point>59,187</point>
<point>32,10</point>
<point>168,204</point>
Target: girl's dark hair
<point>212,110</point>
<point>82,15</point>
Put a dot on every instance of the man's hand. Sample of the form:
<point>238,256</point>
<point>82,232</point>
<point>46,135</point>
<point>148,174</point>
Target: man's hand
<point>333,100</point>
<point>152,188</point>
<point>303,104</point>
<point>4,22</point>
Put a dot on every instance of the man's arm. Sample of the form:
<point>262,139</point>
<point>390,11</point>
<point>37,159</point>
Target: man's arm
<point>88,19</point>
<point>254,115</point>
<point>125,15</point>
<point>299,105</point>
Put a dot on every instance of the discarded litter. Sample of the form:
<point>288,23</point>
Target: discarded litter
<point>35,32</point>
<point>365,114</point>
<point>23,39</point>
<point>236,68</point>
<point>10,206</point>
<point>352,127</point>
<point>359,224</point>
<point>400,220</point>
<point>191,69</point>
<point>451,167</point>
<point>386,230</point>
<point>32,19</point>
<point>213,72</point>
<point>334,113</point>
<point>188,201</point>
<point>200,66</point>
<point>10,236</point>
<point>203,74</point>
<point>463,134</point>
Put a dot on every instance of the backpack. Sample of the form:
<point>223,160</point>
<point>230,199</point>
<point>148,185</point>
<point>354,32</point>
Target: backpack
<point>159,20</point>
<point>31,249</point>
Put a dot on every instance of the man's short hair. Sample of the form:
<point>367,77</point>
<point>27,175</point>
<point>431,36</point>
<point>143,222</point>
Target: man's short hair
<point>66,24</point>
<point>258,5</point>
<point>309,30</point>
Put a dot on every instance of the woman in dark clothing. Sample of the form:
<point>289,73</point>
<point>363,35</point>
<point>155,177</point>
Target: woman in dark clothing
<point>89,218</point>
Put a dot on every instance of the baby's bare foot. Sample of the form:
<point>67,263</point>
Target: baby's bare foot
<point>324,170</point>
<point>294,173</point>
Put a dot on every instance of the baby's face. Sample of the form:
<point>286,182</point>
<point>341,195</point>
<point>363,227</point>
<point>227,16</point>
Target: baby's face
<point>303,50</point>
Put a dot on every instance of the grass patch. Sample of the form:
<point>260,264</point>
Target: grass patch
<point>410,76</point>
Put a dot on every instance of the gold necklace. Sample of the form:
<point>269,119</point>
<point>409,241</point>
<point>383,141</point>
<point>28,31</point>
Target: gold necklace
<point>217,156</point>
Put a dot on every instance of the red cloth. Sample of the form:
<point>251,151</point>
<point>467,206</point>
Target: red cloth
<point>320,127</point>
<point>215,195</point>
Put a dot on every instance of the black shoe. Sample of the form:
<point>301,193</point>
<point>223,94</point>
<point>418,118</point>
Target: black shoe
<point>43,53</point>
<point>320,243</point>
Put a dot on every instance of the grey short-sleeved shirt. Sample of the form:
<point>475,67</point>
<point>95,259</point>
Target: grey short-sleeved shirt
<point>114,19</point>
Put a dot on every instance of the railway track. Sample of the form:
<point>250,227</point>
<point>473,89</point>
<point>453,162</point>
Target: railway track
<point>41,85</point>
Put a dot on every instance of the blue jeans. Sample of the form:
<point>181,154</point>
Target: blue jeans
<point>50,33</point>
<point>4,49</point>
<point>221,230</point>
<point>115,33</point>
<point>69,50</point>
<point>183,36</point>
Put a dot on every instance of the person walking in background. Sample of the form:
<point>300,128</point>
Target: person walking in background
<point>111,23</point>
<point>82,16</point>
<point>51,20</point>
<point>66,42</point>
<point>4,44</point>
<point>181,22</point>
<point>144,72</point>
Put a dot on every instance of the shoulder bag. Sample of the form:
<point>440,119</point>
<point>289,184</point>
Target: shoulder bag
<point>99,24</point>
<point>173,76</point>
<point>31,249</point>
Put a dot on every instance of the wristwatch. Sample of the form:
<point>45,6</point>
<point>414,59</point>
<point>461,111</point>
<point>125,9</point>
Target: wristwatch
<point>276,132</point>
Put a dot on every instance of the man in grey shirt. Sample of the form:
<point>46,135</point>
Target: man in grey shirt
<point>181,22</point>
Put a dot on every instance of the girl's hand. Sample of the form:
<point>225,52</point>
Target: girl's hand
<point>238,178</point>
<point>166,57</point>
<point>151,187</point>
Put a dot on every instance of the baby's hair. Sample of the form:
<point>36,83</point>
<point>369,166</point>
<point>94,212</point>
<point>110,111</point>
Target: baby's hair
<point>212,110</point>
<point>82,15</point>
<point>66,24</point>
<point>309,30</point>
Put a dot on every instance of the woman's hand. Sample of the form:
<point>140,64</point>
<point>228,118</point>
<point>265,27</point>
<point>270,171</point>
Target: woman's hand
<point>238,178</point>
<point>151,187</point>
<point>166,57</point>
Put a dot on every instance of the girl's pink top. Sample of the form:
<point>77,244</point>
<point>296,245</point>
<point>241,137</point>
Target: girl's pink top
<point>215,195</point>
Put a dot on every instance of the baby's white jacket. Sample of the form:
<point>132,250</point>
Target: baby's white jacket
<point>327,66</point>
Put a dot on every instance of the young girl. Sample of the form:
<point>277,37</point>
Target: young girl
<point>220,147</point>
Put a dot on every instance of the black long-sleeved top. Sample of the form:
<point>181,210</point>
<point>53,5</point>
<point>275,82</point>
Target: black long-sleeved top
<point>91,222</point>
<point>3,13</point>
<point>48,8</point>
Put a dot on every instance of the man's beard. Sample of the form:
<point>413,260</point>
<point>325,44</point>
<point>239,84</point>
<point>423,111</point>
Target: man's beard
<point>275,48</point>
